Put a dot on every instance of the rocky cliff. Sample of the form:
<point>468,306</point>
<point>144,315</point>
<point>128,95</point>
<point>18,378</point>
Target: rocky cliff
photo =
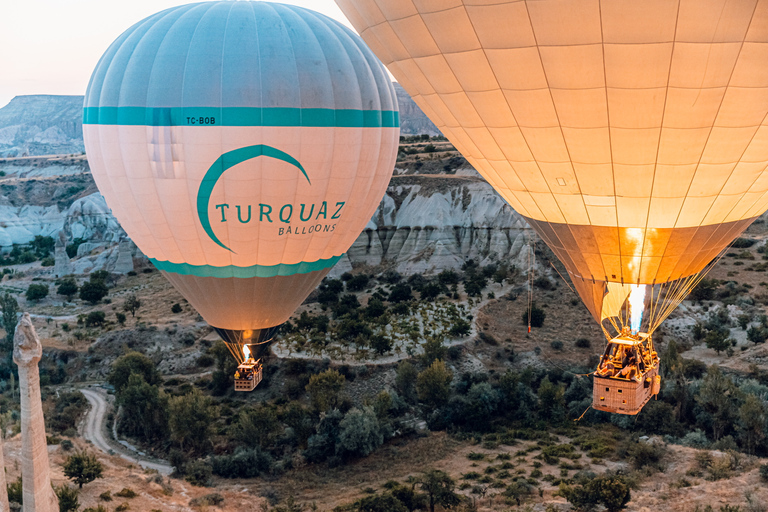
<point>53,125</point>
<point>425,224</point>
<point>412,120</point>
<point>41,125</point>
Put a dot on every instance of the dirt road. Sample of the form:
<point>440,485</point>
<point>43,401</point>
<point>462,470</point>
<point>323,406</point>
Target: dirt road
<point>94,430</point>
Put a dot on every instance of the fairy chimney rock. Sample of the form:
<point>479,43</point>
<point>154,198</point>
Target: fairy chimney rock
<point>37,492</point>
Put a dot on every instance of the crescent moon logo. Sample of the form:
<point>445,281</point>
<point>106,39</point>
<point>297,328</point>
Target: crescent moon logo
<point>221,165</point>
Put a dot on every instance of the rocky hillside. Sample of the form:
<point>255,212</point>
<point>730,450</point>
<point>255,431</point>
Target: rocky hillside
<point>53,125</point>
<point>429,223</point>
<point>412,120</point>
<point>41,125</point>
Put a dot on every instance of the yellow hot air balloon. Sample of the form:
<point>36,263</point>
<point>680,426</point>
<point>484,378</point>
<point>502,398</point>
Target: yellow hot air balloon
<point>243,146</point>
<point>632,135</point>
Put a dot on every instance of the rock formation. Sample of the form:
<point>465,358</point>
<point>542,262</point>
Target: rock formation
<point>41,125</point>
<point>37,492</point>
<point>4,506</point>
<point>124,263</point>
<point>428,224</point>
<point>61,266</point>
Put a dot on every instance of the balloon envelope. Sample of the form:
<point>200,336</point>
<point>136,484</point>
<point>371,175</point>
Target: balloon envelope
<point>633,136</point>
<point>243,146</point>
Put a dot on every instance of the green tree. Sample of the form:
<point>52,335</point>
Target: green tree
<point>144,410</point>
<point>10,317</point>
<point>717,340</point>
<point>401,292</point>
<point>719,397</point>
<point>37,292</point>
<point>42,245</point>
<point>753,420</point>
<point>433,385</point>
<point>67,288</point>
<point>325,390</point>
<point>131,305</point>
<point>552,403</point>
<point>434,349</point>
<point>438,487</point>
<point>120,317</point>
<point>405,380</point>
<point>93,291</point>
<point>132,362</point>
<point>360,432</point>
<point>83,468</point>
<point>191,419</point>
<point>256,426</point>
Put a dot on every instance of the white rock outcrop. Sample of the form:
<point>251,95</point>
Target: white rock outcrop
<point>88,218</point>
<point>437,223</point>
<point>37,492</point>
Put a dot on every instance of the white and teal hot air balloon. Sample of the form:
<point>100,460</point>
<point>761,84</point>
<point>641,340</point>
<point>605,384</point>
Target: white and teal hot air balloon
<point>243,146</point>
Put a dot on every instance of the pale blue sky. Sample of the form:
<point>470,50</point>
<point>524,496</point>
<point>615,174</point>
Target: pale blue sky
<point>52,46</point>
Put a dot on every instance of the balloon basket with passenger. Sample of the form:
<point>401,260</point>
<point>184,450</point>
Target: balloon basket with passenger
<point>627,375</point>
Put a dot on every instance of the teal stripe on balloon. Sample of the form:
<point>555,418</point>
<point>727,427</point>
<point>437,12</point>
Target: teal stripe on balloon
<point>241,116</point>
<point>283,269</point>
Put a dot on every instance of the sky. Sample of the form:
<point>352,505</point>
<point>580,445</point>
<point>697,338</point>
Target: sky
<point>52,46</point>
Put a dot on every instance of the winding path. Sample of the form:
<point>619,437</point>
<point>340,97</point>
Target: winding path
<point>94,430</point>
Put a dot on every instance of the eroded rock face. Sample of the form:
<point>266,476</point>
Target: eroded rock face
<point>88,218</point>
<point>41,124</point>
<point>37,492</point>
<point>428,224</point>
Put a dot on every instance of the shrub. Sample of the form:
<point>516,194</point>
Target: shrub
<point>556,345</point>
<point>15,491</point>
<point>537,316</point>
<point>67,496</point>
<point>93,291</point>
<point>37,292</point>
<point>106,496</point>
<point>125,492</point>
<point>95,319</point>
<point>209,500</point>
<point>242,464</point>
<point>176,308</point>
<point>67,288</point>
<point>198,473</point>
<point>583,343</point>
<point>764,472</point>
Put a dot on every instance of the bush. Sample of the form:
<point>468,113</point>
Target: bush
<point>37,292</point>
<point>198,473</point>
<point>106,496</point>
<point>556,345</point>
<point>360,432</point>
<point>67,496</point>
<point>242,464</point>
<point>610,491</point>
<point>176,308</point>
<point>209,500</point>
<point>764,472</point>
<point>125,492</point>
<point>583,343</point>
<point>95,319</point>
<point>15,492</point>
<point>93,291</point>
<point>537,316</point>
